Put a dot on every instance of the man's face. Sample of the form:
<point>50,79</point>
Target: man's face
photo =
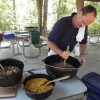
<point>84,20</point>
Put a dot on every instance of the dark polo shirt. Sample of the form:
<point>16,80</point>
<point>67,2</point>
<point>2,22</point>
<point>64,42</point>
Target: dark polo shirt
<point>64,33</point>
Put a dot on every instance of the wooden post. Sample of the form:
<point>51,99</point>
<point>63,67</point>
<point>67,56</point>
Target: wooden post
<point>79,4</point>
<point>39,6</point>
<point>44,29</point>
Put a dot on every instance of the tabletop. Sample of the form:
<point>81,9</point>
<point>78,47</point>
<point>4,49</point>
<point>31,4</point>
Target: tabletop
<point>62,89</point>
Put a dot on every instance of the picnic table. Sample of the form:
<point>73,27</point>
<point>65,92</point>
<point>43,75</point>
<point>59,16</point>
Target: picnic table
<point>95,38</point>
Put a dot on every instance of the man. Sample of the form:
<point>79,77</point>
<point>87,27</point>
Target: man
<point>70,30</point>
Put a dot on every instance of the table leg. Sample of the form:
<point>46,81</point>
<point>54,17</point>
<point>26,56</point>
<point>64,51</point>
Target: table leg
<point>23,47</point>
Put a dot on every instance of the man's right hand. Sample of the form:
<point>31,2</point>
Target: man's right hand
<point>65,54</point>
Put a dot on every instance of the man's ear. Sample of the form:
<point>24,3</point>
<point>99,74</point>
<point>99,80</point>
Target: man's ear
<point>80,13</point>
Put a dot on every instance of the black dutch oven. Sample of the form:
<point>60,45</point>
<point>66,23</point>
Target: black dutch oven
<point>57,72</point>
<point>10,80</point>
<point>38,96</point>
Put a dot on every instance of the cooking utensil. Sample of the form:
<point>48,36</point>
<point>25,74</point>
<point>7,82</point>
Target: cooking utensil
<point>2,67</point>
<point>38,96</point>
<point>66,59</point>
<point>58,79</point>
<point>10,80</point>
<point>57,72</point>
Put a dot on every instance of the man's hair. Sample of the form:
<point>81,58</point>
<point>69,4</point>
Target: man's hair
<point>88,9</point>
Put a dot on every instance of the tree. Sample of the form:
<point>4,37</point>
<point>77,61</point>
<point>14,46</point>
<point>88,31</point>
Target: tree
<point>6,15</point>
<point>95,25</point>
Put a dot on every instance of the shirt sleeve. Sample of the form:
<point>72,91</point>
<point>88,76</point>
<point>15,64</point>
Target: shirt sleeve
<point>55,33</point>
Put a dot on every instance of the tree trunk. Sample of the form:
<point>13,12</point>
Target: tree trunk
<point>14,12</point>
<point>58,11</point>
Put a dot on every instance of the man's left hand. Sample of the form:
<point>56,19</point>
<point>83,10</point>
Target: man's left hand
<point>82,60</point>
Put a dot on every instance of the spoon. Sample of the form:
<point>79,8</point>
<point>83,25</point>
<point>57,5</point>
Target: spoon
<point>66,59</point>
<point>2,67</point>
<point>58,79</point>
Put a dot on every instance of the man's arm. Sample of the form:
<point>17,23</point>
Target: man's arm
<point>83,49</point>
<point>82,54</point>
<point>54,47</point>
<point>63,54</point>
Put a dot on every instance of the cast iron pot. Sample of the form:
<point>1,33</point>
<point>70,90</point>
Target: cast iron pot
<point>13,79</point>
<point>38,96</point>
<point>57,72</point>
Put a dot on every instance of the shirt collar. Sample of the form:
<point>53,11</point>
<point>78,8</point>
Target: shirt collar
<point>74,13</point>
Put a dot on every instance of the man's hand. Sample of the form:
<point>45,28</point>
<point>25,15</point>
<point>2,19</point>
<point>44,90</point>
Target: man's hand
<point>65,54</point>
<point>82,60</point>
